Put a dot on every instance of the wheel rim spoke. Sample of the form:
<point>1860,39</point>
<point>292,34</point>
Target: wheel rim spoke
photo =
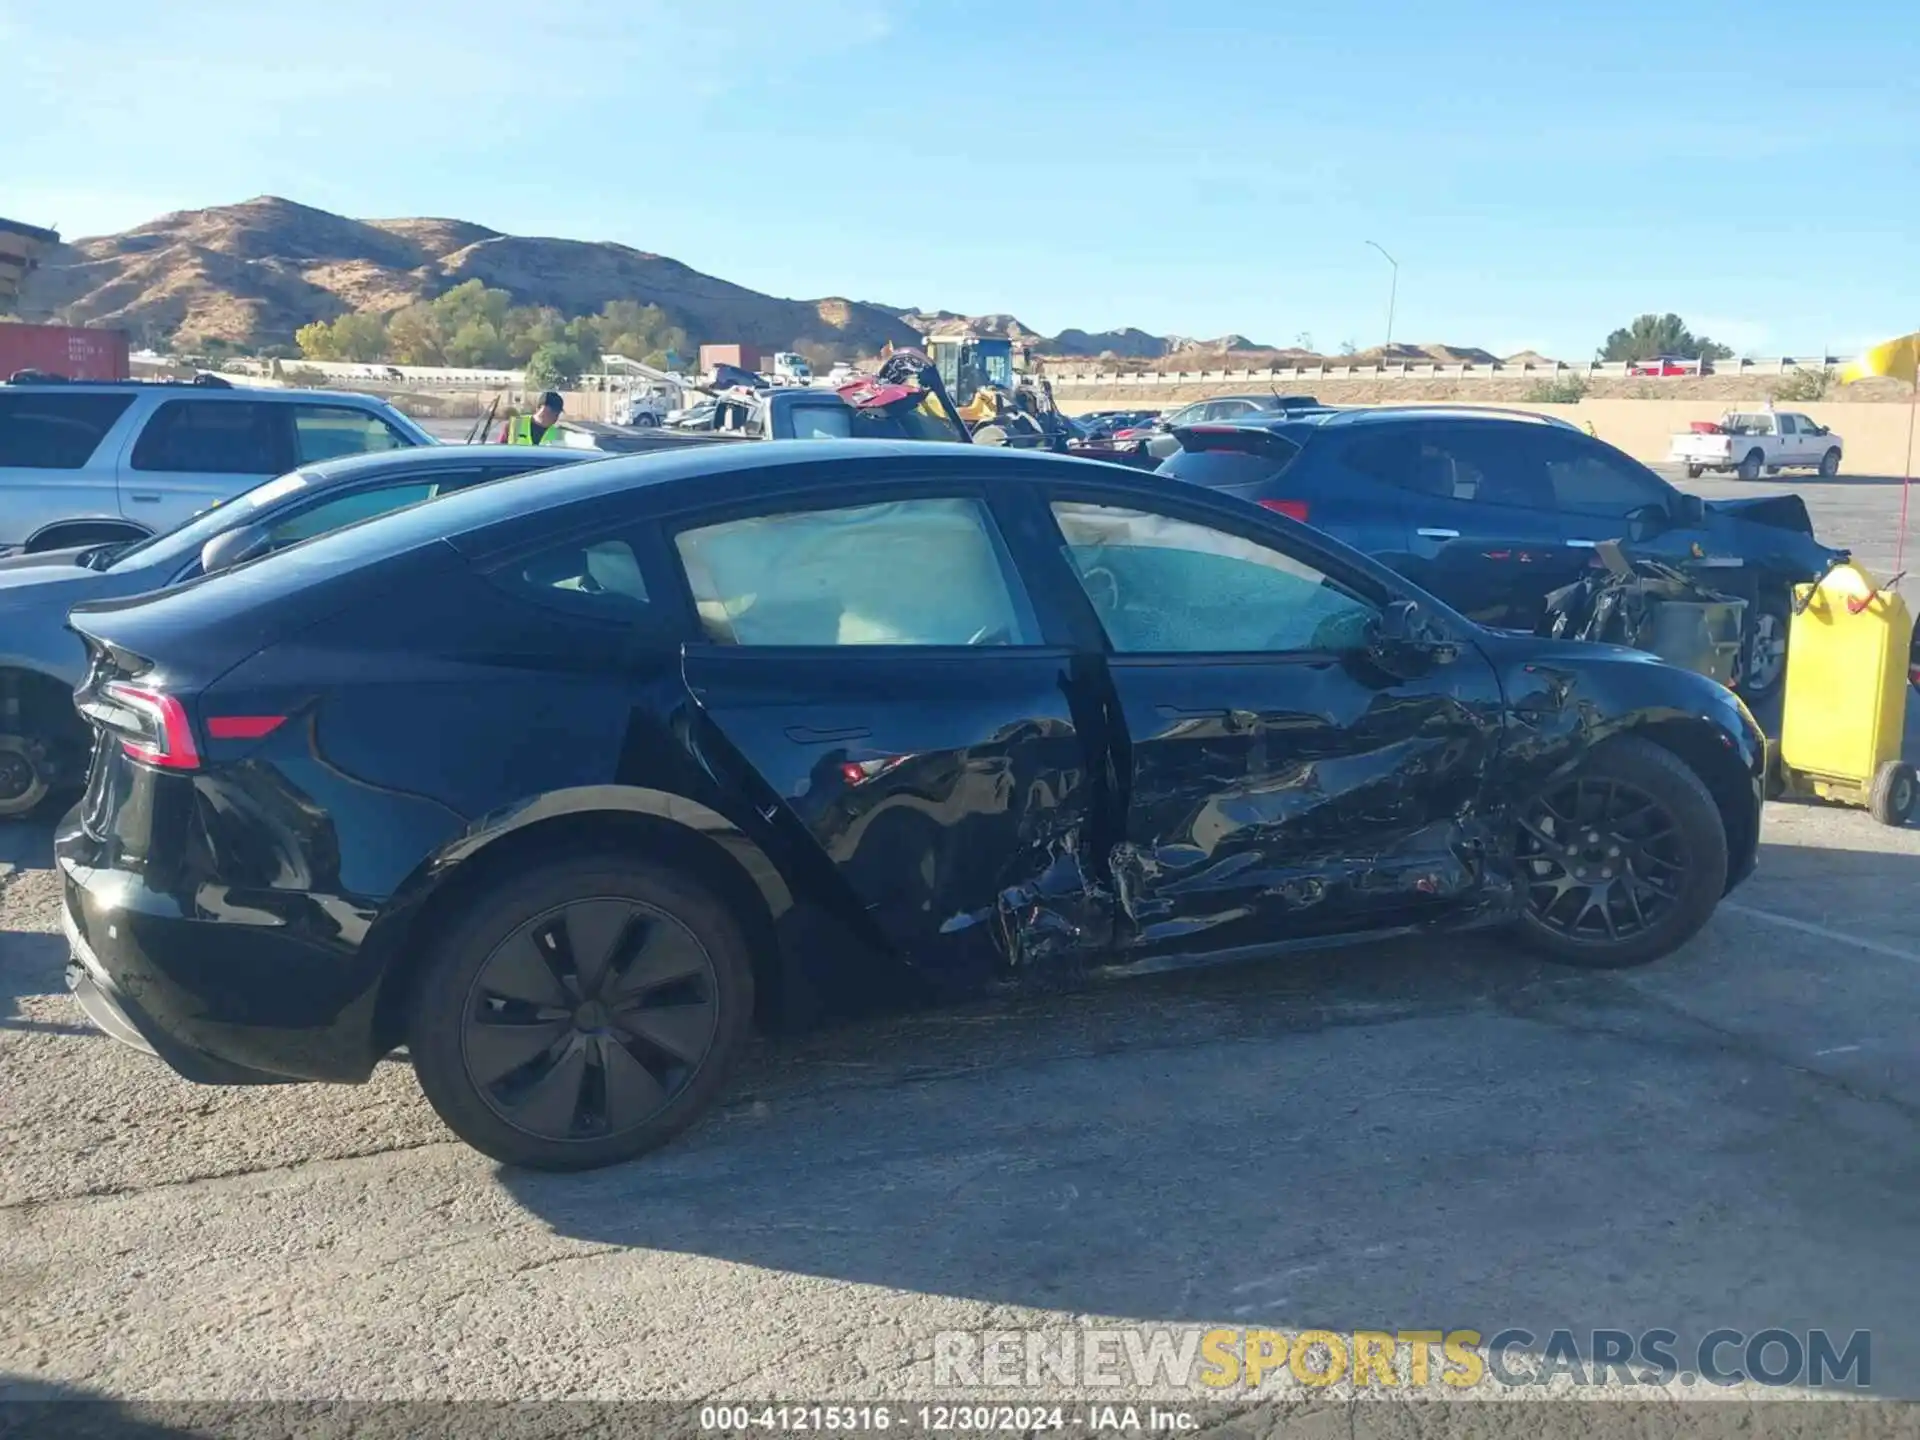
<point>521,971</point>
<point>597,932</point>
<point>681,1031</point>
<point>632,1091</point>
<point>666,955</point>
<point>497,1050</point>
<point>550,1104</point>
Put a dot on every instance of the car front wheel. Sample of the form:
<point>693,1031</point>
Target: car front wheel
<point>581,1014</point>
<point>1763,649</point>
<point>1622,861</point>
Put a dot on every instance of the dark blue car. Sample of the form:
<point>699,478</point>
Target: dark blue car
<point>1493,510</point>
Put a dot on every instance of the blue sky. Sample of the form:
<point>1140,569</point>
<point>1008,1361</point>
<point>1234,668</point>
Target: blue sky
<point>1541,171</point>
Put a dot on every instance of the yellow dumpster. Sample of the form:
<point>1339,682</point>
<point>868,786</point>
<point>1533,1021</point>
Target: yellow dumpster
<point>1846,695</point>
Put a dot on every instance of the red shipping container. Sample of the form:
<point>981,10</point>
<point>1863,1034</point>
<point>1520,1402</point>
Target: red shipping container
<point>76,353</point>
<point>745,357</point>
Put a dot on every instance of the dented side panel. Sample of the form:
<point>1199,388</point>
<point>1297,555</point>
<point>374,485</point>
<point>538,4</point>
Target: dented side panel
<point>950,792</point>
<point>1279,799</point>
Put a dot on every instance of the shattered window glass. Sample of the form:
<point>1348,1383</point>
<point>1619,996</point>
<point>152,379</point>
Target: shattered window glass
<point>1162,585</point>
<point>912,572</point>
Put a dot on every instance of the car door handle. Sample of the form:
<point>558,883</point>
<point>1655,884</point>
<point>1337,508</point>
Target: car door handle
<point>1232,719</point>
<point>1429,534</point>
<point>808,735</point>
<point>144,498</point>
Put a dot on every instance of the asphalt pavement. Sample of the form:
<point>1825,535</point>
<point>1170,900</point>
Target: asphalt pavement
<point>1428,1136</point>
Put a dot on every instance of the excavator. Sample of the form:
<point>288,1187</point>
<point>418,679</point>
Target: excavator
<point>997,405</point>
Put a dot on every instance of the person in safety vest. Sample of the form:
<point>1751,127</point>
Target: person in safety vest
<point>539,428</point>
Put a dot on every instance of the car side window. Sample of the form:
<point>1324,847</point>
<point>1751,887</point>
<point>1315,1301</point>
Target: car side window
<point>599,579</point>
<point>347,510</point>
<point>327,432</point>
<point>1481,464</point>
<point>1162,585</point>
<point>55,432</point>
<point>1787,425</point>
<point>1588,480</point>
<point>901,572</point>
<point>213,437</point>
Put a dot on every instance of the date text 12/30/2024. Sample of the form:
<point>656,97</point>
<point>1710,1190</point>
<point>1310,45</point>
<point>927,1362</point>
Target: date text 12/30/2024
<point>943,1419</point>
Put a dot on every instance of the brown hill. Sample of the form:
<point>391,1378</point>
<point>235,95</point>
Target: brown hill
<point>254,273</point>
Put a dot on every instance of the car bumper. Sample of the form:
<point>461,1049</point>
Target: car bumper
<point>220,1002</point>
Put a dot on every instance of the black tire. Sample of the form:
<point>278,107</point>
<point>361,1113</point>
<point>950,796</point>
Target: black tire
<point>1830,463</point>
<point>1694,472</point>
<point>24,782</point>
<point>1652,876</point>
<point>1749,466</point>
<point>1763,647</point>
<point>1893,793</point>
<point>632,1089</point>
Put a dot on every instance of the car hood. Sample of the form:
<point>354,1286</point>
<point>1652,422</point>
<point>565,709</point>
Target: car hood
<point>1783,512</point>
<point>47,586</point>
<point>41,559</point>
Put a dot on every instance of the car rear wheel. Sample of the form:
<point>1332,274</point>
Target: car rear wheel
<point>1694,472</point>
<point>582,1014</point>
<point>23,777</point>
<point>1830,464</point>
<point>1623,861</point>
<point>1750,463</point>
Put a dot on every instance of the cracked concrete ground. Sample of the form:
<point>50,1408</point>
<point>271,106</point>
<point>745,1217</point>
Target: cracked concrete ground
<point>1431,1136</point>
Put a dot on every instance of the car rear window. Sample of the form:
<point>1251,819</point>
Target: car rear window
<point>1218,469</point>
<point>56,432</point>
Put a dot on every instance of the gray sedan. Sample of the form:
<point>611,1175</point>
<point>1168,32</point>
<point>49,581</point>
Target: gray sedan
<point>43,745</point>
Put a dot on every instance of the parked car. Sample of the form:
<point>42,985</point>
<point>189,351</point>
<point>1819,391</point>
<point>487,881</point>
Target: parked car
<point>43,743</point>
<point>556,780</point>
<point>1668,367</point>
<point>90,463</point>
<point>1750,441</point>
<point>1494,510</point>
<point>1148,444</point>
<point>782,413</point>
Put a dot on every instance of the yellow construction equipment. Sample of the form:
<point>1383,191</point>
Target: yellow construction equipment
<point>1846,695</point>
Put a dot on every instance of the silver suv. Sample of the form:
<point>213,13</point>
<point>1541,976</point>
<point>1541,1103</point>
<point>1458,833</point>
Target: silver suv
<point>85,463</point>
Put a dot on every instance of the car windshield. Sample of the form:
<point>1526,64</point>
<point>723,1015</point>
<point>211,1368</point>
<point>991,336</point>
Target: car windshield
<point>182,544</point>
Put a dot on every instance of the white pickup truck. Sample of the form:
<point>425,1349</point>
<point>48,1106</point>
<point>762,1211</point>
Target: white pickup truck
<point>1748,442</point>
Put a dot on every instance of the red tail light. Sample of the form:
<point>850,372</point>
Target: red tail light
<point>1292,509</point>
<point>153,726</point>
<point>161,733</point>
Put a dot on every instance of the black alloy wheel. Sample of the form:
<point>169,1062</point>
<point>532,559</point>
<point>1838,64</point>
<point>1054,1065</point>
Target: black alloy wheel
<point>1621,861</point>
<point>582,1016</point>
<point>588,1019</point>
<point>23,780</point>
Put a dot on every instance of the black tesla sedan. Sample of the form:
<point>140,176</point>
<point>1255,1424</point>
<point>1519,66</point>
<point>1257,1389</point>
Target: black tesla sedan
<point>557,780</point>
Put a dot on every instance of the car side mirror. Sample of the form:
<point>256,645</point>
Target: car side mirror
<point>234,547</point>
<point>1404,641</point>
<point>1689,510</point>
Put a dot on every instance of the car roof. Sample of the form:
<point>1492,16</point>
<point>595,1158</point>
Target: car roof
<point>177,388</point>
<point>442,457</point>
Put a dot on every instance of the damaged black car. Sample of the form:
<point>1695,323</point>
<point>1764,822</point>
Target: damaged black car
<point>564,782</point>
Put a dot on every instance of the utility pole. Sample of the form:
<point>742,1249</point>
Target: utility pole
<point>1393,291</point>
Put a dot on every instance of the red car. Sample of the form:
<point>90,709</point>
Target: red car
<point>1667,366</point>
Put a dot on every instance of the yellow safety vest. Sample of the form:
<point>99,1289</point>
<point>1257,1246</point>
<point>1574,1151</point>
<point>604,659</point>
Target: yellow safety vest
<point>520,432</point>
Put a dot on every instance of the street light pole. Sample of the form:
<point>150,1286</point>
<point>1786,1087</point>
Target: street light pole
<point>1393,291</point>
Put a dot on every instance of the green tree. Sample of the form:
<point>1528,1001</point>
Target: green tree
<point>476,343</point>
<point>415,336</point>
<point>472,301</point>
<point>360,337</point>
<point>1651,335</point>
<point>316,341</point>
<point>555,366</point>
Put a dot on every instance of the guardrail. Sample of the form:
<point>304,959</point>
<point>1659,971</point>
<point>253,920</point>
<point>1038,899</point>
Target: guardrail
<point>1428,370</point>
